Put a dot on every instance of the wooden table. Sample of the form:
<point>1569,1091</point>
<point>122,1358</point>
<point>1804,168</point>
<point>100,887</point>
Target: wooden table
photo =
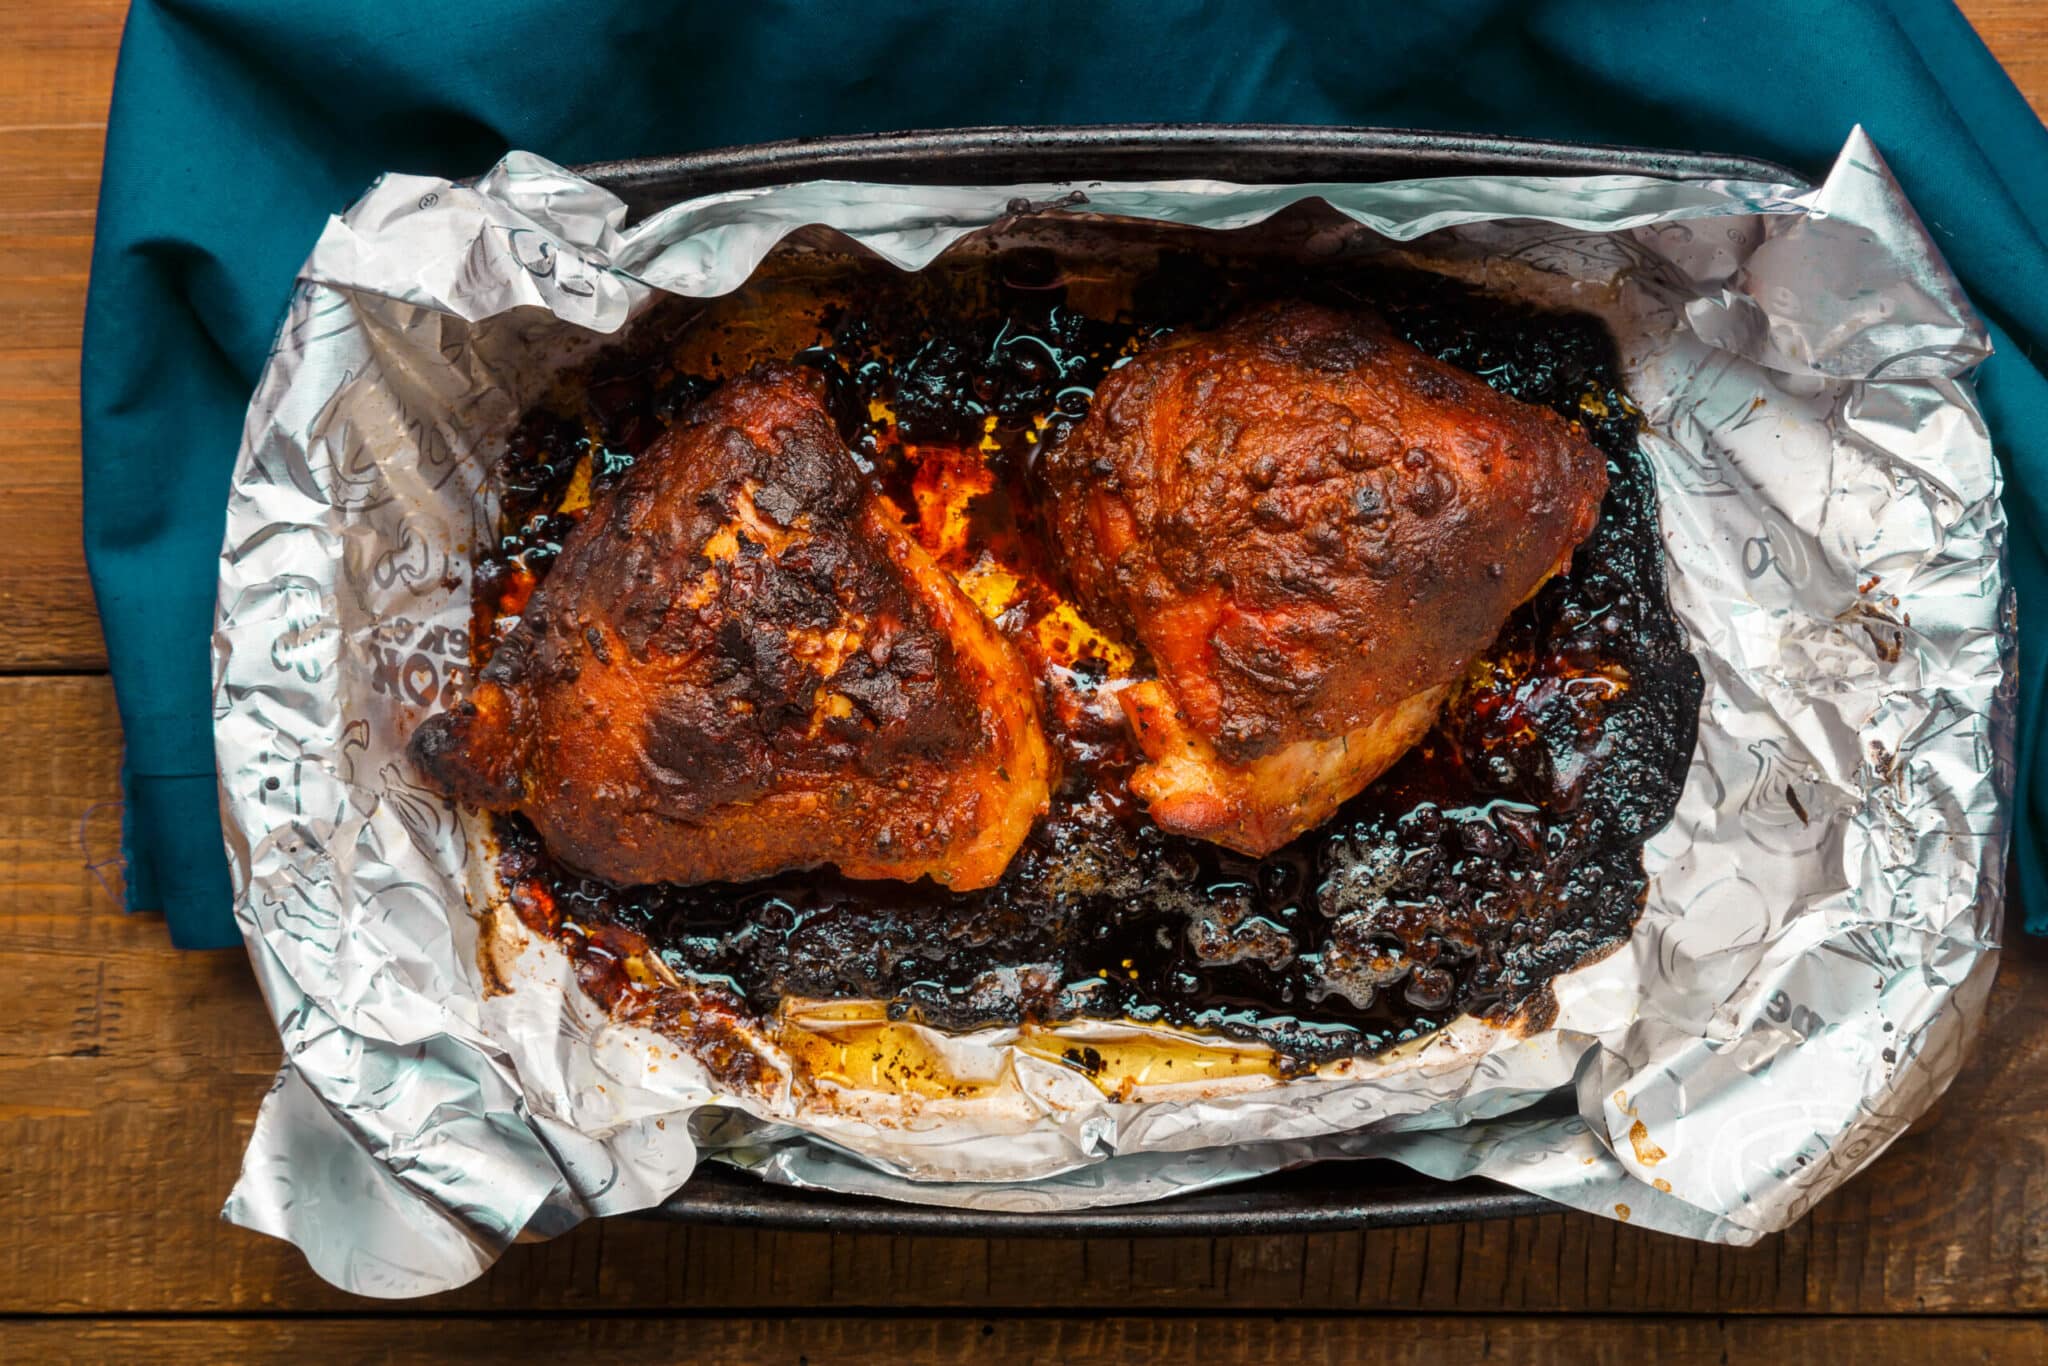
<point>129,1073</point>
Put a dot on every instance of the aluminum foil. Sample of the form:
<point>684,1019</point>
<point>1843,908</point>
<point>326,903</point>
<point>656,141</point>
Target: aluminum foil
<point>1820,932</point>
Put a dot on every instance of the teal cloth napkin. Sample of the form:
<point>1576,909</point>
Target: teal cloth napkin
<point>238,125</point>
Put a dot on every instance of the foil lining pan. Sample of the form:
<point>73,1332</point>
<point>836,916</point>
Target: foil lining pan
<point>1820,932</point>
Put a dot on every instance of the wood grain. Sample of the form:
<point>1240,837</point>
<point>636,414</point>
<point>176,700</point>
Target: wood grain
<point>129,1075</point>
<point>56,74</point>
<point>2016,31</point>
<point>1311,1341</point>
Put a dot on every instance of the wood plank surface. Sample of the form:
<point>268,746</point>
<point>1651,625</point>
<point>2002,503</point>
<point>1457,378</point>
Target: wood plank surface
<point>2016,31</point>
<point>129,1073</point>
<point>56,74</point>
<point>1307,1340</point>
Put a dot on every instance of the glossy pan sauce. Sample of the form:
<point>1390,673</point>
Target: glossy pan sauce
<point>1504,849</point>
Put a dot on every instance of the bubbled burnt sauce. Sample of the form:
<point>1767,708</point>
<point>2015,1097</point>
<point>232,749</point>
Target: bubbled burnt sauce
<point>1502,850</point>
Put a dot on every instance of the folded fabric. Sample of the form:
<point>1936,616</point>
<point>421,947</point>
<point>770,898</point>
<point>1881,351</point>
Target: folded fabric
<point>238,125</point>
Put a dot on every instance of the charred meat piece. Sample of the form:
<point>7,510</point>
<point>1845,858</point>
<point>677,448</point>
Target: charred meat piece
<point>1313,528</point>
<point>742,664</point>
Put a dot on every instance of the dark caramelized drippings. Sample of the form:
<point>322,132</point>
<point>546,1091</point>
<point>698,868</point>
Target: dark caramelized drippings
<point>1504,849</point>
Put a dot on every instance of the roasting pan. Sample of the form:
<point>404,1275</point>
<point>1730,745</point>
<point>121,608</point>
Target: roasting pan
<point>1326,1196</point>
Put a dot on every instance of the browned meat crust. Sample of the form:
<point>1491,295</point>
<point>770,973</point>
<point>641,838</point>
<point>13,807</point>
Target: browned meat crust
<point>1311,526</point>
<point>742,664</point>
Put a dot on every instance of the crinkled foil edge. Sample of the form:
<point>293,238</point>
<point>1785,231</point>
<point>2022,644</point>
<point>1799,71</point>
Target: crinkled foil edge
<point>1821,929</point>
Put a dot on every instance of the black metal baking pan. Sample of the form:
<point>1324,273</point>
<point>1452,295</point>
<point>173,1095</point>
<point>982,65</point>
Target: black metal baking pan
<point>1257,153</point>
<point>1326,1196</point>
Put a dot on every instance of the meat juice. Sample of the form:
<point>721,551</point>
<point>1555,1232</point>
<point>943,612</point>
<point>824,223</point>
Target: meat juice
<point>1503,849</point>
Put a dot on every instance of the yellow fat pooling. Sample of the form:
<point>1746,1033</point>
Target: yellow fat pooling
<point>1150,1059</point>
<point>1064,634</point>
<point>990,586</point>
<point>854,1045</point>
<point>578,496</point>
